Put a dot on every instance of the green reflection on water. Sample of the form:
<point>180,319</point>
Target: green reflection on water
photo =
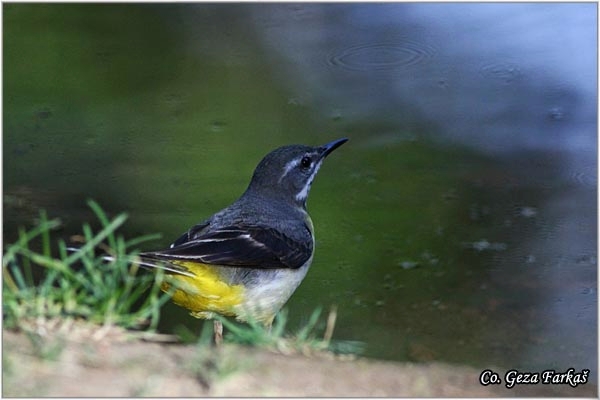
<point>122,103</point>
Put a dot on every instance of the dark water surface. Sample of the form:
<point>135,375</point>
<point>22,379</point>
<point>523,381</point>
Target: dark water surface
<point>459,223</point>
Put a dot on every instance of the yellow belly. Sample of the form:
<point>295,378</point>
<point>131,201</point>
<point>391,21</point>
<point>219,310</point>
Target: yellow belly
<point>209,292</point>
<point>205,293</point>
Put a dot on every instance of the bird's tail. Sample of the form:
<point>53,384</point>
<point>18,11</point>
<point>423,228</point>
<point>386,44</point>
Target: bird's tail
<point>146,261</point>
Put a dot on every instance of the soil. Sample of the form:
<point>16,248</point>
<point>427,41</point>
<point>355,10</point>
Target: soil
<point>110,365</point>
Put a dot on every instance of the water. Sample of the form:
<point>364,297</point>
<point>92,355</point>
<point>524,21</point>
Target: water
<point>459,223</point>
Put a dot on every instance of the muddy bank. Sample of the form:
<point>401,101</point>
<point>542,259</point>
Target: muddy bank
<point>114,367</point>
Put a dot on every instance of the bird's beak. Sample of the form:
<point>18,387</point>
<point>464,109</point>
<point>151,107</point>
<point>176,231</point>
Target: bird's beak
<point>331,146</point>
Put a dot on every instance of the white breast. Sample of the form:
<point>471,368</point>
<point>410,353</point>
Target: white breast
<point>266,297</point>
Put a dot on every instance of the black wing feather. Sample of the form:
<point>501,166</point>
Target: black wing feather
<point>240,246</point>
<point>189,234</point>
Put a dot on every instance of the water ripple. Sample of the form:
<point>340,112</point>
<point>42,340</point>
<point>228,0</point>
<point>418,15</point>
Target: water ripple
<point>506,72</point>
<point>381,56</point>
<point>585,176</point>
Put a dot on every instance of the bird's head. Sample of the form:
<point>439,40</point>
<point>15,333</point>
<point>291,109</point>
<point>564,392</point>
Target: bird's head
<point>287,173</point>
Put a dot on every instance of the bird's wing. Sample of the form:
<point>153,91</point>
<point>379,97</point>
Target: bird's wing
<point>239,246</point>
<point>195,230</point>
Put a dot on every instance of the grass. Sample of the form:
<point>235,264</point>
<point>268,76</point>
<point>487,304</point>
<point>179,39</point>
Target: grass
<point>44,293</point>
<point>80,285</point>
<point>315,336</point>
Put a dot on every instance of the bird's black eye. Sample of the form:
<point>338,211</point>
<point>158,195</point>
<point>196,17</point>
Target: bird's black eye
<point>305,162</point>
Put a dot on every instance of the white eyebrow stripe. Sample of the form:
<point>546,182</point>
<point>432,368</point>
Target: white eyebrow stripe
<point>288,167</point>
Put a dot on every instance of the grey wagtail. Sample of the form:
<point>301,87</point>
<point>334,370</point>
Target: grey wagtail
<point>247,259</point>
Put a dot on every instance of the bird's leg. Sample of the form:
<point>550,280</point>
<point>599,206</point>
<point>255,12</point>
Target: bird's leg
<point>218,331</point>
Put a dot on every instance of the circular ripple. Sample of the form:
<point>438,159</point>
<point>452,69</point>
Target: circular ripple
<point>586,176</point>
<point>381,56</point>
<point>503,71</point>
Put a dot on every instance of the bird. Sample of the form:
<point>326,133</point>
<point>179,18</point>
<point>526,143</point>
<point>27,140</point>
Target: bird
<point>247,260</point>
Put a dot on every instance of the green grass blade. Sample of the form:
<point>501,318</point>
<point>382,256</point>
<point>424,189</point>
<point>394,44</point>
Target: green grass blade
<point>96,240</point>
